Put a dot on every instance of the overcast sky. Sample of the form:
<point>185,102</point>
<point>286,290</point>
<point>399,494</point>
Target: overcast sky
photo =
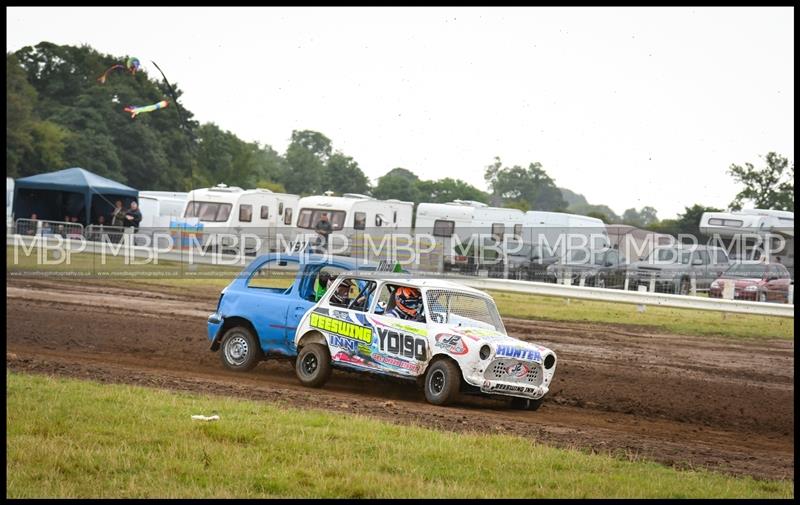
<point>629,107</point>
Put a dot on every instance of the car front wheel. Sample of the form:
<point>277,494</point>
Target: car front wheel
<point>442,381</point>
<point>313,365</point>
<point>240,350</point>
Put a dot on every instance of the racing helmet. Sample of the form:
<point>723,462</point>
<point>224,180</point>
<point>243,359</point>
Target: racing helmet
<point>408,300</point>
<point>342,293</point>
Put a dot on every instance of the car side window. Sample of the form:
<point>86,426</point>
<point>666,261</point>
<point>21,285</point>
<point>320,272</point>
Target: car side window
<point>720,256</point>
<point>274,275</point>
<point>386,304</point>
<point>352,293</point>
<point>702,256</point>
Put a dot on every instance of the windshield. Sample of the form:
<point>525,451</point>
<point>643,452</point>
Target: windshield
<point>308,218</point>
<point>669,255</point>
<point>463,309</point>
<point>745,271</point>
<point>208,211</point>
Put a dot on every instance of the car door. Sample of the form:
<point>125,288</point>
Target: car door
<point>302,297</point>
<point>267,299</point>
<point>701,271</point>
<point>777,285</point>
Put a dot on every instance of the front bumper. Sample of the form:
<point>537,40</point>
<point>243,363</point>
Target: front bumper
<point>513,389</point>
<point>215,323</point>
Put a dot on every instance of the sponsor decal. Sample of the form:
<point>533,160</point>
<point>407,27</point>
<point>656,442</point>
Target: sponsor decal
<point>511,388</point>
<point>395,362</point>
<point>340,314</point>
<point>352,359</point>
<point>517,370</point>
<point>344,343</point>
<point>399,325</point>
<point>341,328</point>
<point>508,351</point>
<point>402,344</point>
<point>451,343</point>
<point>474,333</point>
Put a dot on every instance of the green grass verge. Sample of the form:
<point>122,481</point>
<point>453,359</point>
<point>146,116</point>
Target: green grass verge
<point>680,321</point>
<point>70,438</point>
<point>212,278</point>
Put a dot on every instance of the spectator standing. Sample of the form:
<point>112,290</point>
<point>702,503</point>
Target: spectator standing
<point>323,228</point>
<point>118,215</point>
<point>133,216</point>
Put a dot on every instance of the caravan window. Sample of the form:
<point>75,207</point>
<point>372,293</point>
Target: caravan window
<point>245,213</point>
<point>280,209</point>
<point>360,220</point>
<point>394,217</point>
<point>378,220</point>
<point>308,218</point>
<point>287,217</point>
<point>209,211</point>
<point>442,228</point>
<point>498,230</point>
<point>518,230</point>
<point>265,212</point>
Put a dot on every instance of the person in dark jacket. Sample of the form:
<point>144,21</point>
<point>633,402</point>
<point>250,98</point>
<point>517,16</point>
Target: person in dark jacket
<point>323,228</point>
<point>133,216</point>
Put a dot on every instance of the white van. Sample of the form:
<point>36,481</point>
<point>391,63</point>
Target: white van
<point>223,211</point>
<point>553,233</point>
<point>461,225</point>
<point>159,208</point>
<point>353,213</point>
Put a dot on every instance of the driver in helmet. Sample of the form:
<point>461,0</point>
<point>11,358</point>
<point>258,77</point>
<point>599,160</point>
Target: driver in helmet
<point>341,296</point>
<point>407,304</point>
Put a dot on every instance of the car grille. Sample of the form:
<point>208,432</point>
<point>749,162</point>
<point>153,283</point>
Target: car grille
<point>513,370</point>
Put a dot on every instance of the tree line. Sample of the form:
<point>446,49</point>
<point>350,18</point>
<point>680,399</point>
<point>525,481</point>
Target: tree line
<point>58,116</point>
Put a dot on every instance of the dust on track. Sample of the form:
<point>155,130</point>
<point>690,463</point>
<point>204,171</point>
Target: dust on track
<point>722,404</point>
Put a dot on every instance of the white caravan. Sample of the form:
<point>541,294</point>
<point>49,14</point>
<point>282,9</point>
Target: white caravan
<point>159,208</point>
<point>352,214</point>
<point>471,223</point>
<point>220,215</point>
<point>742,233</point>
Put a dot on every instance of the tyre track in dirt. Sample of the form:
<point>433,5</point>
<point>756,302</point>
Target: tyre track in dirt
<point>686,401</point>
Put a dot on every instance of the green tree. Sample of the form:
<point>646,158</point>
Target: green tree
<point>531,185</point>
<point>344,175</point>
<point>448,189</point>
<point>396,186</point>
<point>771,187</point>
<point>307,155</point>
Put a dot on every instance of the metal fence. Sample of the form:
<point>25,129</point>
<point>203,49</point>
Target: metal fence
<point>48,228</point>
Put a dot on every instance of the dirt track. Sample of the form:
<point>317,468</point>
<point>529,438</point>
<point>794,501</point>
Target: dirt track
<point>681,400</point>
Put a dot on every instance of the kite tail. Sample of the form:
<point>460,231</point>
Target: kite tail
<point>102,79</point>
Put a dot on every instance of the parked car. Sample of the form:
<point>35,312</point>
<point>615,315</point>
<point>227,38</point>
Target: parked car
<point>457,343</point>
<point>673,267</point>
<point>527,263</point>
<point>258,312</point>
<point>762,282</point>
<point>599,269</point>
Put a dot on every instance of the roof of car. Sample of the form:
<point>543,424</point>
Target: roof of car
<point>421,282</point>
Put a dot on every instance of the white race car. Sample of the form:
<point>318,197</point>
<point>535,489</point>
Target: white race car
<point>456,341</point>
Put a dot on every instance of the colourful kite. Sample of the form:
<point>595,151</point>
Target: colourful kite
<point>131,65</point>
<point>145,108</point>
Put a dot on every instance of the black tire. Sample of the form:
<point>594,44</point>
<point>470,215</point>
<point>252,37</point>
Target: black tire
<point>313,365</point>
<point>526,404</point>
<point>442,382</point>
<point>240,350</point>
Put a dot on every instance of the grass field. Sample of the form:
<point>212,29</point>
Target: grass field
<point>210,279</point>
<point>70,438</point>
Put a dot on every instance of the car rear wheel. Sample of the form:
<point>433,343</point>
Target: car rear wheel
<point>313,365</point>
<point>240,350</point>
<point>442,381</point>
<point>526,403</point>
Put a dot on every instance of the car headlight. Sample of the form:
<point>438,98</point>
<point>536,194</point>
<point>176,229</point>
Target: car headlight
<point>751,287</point>
<point>485,352</point>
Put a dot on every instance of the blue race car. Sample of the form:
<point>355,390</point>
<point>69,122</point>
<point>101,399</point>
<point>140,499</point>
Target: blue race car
<point>255,320</point>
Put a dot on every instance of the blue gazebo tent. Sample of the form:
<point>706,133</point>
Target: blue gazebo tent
<point>69,192</point>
